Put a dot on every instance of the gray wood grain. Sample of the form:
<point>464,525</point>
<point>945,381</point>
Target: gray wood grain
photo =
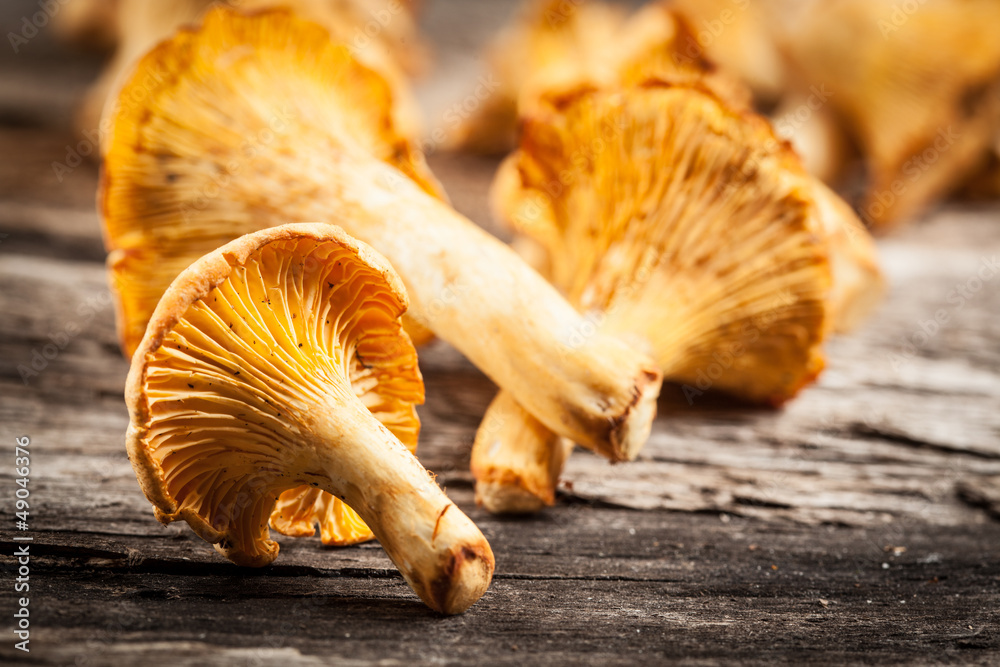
<point>861,524</point>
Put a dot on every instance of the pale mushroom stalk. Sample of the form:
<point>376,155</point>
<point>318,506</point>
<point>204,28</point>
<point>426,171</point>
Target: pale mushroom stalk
<point>335,153</point>
<point>278,362</point>
<point>516,460</point>
<point>437,548</point>
<point>589,387</point>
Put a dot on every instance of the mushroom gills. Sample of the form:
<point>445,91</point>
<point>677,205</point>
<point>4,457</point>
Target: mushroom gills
<point>685,228</point>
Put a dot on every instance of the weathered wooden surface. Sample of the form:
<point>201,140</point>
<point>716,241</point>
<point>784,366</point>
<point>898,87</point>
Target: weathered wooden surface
<point>860,524</point>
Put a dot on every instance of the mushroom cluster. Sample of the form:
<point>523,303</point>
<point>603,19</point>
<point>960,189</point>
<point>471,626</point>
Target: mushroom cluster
<point>179,180</point>
<point>664,230</point>
<point>648,191</point>
<point>265,121</point>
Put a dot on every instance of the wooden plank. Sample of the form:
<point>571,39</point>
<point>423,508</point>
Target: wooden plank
<point>859,525</point>
<point>640,586</point>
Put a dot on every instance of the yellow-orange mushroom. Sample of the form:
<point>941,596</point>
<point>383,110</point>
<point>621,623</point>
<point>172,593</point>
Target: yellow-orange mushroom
<point>681,224</point>
<point>278,362</point>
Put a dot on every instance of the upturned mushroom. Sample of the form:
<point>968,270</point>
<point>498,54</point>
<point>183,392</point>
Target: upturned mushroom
<point>279,361</point>
<point>263,121</point>
<point>382,34</point>
<point>683,225</point>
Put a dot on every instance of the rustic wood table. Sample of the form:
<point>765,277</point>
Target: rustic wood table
<point>861,524</point>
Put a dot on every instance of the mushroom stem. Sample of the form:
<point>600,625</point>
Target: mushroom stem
<point>475,292</point>
<point>439,551</point>
<point>516,460</point>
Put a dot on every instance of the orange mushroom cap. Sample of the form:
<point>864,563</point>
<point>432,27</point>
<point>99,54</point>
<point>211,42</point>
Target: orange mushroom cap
<point>167,138</point>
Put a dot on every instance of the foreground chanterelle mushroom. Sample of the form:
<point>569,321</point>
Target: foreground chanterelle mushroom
<point>681,224</point>
<point>279,361</point>
<point>263,121</point>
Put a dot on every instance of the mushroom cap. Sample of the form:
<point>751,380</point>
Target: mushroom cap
<point>916,87</point>
<point>659,42</point>
<point>178,143</point>
<point>242,346</point>
<point>740,37</point>
<point>555,46</point>
<point>669,215</point>
<point>395,50</point>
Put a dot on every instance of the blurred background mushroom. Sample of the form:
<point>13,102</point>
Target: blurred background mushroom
<point>915,87</point>
<point>894,105</point>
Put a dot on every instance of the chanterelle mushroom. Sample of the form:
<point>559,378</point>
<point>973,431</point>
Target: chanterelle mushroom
<point>555,45</point>
<point>259,372</point>
<point>381,33</point>
<point>683,225</point>
<point>914,83</point>
<point>263,121</point>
